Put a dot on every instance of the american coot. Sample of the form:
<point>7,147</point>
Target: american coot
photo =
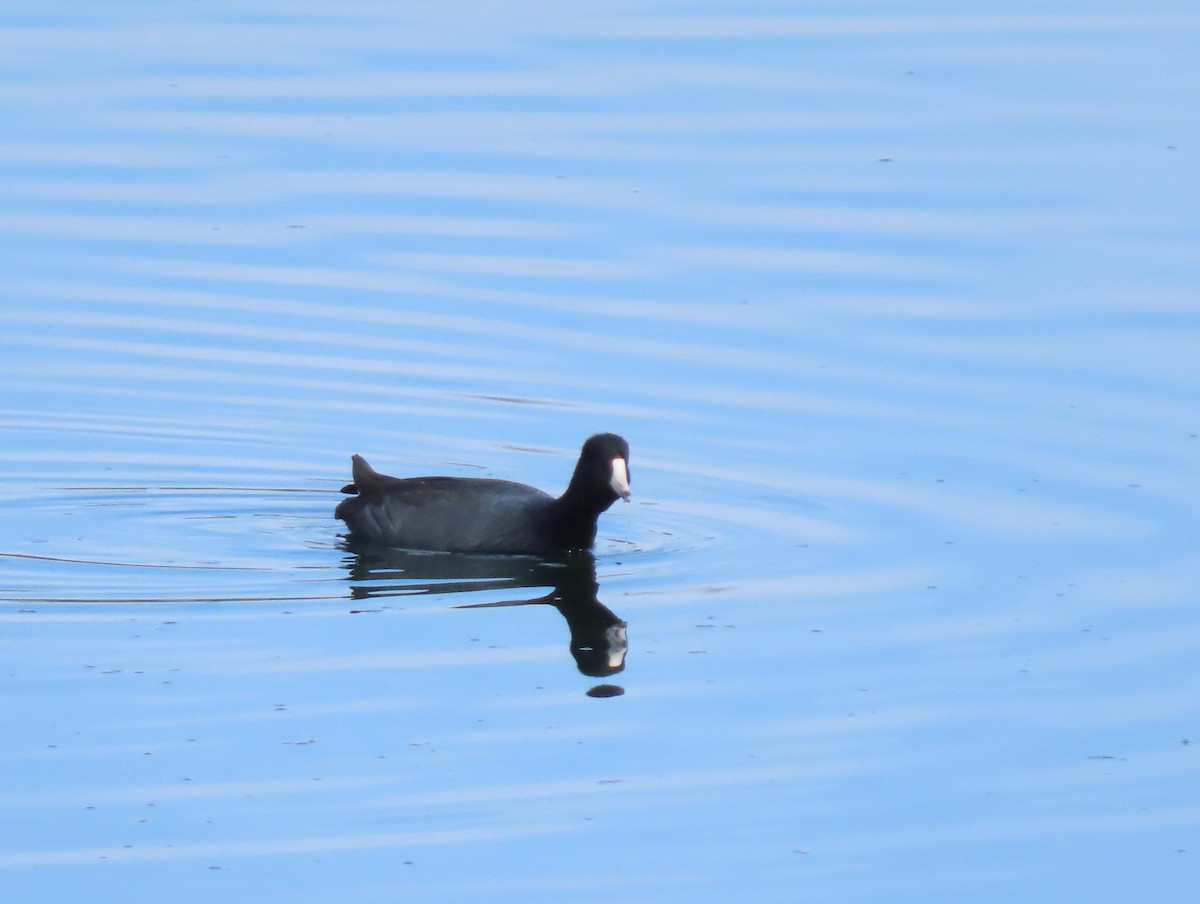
<point>480,515</point>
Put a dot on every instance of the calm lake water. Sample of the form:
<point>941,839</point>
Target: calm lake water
<point>896,304</point>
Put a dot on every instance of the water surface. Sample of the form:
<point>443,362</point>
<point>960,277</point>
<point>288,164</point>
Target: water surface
<point>895,304</point>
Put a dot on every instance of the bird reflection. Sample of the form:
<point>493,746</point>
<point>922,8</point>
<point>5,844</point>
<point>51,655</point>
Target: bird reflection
<point>598,640</point>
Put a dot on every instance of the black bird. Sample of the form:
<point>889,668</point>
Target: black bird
<point>481,515</point>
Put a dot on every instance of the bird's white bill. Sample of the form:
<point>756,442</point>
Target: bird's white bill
<point>618,643</point>
<point>620,478</point>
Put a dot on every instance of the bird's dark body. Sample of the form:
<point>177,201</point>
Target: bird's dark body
<point>482,515</point>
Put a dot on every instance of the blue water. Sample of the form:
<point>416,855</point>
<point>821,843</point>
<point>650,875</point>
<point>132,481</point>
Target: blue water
<point>895,303</point>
